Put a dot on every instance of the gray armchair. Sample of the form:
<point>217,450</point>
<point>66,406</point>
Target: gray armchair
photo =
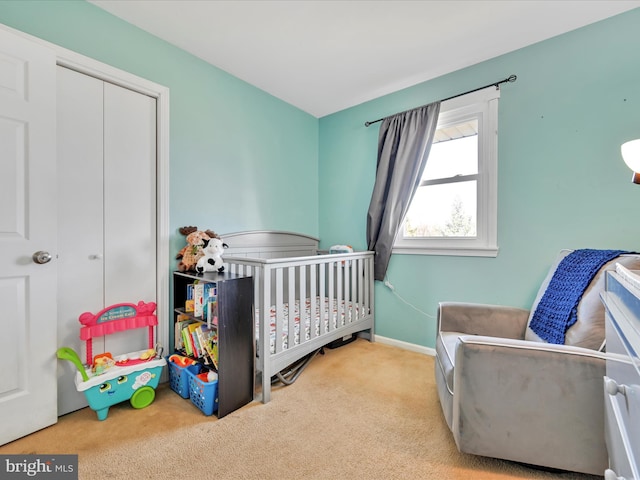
<point>506,393</point>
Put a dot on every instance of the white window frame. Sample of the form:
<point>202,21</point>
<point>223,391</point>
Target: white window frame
<point>482,105</point>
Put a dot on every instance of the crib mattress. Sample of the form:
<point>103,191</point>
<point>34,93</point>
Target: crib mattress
<point>337,316</point>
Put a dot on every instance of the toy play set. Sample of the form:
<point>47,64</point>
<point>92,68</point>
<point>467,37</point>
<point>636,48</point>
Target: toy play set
<point>107,380</point>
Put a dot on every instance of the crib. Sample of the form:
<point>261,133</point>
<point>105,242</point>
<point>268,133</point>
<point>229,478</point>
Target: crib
<point>304,298</point>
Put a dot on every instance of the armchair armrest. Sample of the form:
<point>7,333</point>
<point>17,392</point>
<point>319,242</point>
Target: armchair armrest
<point>516,389</point>
<point>478,319</point>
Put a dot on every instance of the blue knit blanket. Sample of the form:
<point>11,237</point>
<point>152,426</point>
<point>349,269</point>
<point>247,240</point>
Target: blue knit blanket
<point>557,309</point>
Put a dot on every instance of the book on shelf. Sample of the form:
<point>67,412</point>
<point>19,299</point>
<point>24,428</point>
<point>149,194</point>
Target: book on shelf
<point>210,303</point>
<point>185,333</point>
<point>196,329</point>
<point>198,297</point>
<point>186,343</point>
<point>188,304</point>
<point>208,339</point>
<point>195,343</point>
<point>182,320</point>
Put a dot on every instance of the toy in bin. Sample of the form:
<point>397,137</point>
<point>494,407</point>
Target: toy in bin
<point>106,380</point>
<point>178,366</point>
<point>190,380</point>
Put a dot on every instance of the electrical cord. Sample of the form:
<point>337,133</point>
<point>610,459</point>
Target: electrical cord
<point>392,288</point>
<point>293,371</point>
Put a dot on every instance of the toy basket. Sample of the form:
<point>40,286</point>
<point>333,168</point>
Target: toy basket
<point>203,395</point>
<point>178,378</point>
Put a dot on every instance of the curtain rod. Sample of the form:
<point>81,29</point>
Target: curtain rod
<point>511,79</point>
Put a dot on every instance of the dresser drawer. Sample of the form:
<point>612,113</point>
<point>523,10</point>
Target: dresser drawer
<point>622,372</point>
<point>622,381</point>
<point>623,317</point>
<point>622,360</point>
<point>621,458</point>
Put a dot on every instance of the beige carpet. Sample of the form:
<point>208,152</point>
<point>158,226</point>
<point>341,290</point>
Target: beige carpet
<point>363,411</point>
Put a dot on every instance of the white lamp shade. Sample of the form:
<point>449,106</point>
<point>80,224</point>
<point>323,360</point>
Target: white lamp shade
<point>631,154</point>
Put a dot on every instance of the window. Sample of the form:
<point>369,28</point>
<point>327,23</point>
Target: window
<point>454,210</point>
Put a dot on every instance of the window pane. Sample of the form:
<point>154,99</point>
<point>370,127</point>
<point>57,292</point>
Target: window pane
<point>447,210</point>
<point>447,216</point>
<point>452,157</point>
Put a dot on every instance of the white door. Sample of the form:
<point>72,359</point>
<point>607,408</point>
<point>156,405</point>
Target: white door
<point>28,224</point>
<point>80,234</point>
<point>107,212</point>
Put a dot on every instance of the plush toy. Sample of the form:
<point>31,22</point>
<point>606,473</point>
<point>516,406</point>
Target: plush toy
<point>211,260</point>
<point>196,241</point>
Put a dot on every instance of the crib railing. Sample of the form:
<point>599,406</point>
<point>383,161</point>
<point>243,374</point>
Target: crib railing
<point>341,280</point>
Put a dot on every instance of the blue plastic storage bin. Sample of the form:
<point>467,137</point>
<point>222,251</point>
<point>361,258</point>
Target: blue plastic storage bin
<point>178,378</point>
<point>203,395</point>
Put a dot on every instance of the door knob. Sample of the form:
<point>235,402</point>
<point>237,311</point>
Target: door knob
<point>41,257</point>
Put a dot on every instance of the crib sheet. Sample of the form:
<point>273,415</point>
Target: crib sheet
<point>338,317</point>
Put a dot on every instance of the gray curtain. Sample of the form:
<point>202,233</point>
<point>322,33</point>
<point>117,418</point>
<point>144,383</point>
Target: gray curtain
<point>403,147</point>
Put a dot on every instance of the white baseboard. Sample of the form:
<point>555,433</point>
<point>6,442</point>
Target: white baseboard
<point>405,345</point>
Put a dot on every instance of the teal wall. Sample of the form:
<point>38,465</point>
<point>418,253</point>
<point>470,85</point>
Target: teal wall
<point>238,154</point>
<point>562,181</point>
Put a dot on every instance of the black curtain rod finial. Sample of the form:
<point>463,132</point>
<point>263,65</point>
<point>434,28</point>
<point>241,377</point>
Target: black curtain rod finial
<point>510,79</point>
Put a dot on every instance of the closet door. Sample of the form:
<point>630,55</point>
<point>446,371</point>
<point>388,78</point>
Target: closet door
<point>129,206</point>
<point>80,219</point>
<point>107,214</point>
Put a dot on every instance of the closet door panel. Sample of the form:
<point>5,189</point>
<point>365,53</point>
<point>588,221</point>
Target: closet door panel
<point>129,206</point>
<point>80,232</point>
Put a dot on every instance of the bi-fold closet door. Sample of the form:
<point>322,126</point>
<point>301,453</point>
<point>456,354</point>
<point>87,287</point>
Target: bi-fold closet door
<point>106,213</point>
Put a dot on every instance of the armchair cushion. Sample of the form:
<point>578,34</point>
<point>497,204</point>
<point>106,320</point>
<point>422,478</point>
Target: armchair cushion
<point>557,310</point>
<point>588,330</point>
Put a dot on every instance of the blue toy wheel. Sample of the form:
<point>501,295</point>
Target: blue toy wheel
<point>143,397</point>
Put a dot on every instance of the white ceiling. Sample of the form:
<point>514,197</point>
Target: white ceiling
<point>324,56</point>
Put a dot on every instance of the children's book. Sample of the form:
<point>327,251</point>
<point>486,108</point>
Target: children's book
<point>201,342</point>
<point>186,343</point>
<point>185,334</point>
<point>181,321</point>
<point>195,343</point>
<point>210,305</point>
<point>198,297</point>
<point>209,340</point>
<point>188,304</point>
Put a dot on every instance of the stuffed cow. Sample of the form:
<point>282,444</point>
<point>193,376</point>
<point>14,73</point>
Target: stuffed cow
<point>211,260</point>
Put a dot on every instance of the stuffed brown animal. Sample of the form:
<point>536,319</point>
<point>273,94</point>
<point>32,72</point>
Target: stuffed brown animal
<point>191,253</point>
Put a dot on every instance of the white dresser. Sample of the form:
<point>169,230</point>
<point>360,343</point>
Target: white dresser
<point>622,381</point>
